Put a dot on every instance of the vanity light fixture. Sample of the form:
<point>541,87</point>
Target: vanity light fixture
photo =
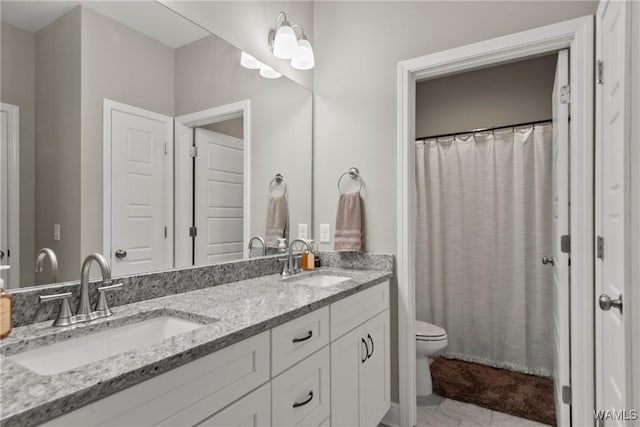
<point>286,44</point>
<point>248,61</point>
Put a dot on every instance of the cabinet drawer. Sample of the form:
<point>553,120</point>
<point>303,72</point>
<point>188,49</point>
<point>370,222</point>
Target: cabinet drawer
<point>298,338</point>
<point>357,309</point>
<point>185,395</point>
<point>252,410</point>
<point>300,395</point>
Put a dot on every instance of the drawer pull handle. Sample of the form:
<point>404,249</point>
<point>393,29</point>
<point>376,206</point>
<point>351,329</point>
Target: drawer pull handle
<point>309,399</point>
<point>372,346</point>
<point>366,351</point>
<point>309,335</point>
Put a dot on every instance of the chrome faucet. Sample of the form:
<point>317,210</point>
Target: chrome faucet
<point>290,268</point>
<point>84,313</point>
<point>53,262</point>
<point>261,240</point>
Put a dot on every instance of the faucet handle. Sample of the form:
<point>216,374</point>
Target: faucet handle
<point>65,316</point>
<point>102,307</point>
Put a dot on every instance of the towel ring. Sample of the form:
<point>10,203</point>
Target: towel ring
<point>353,173</point>
<point>278,179</point>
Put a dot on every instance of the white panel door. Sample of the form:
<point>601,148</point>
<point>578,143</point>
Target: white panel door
<point>375,377</point>
<point>141,192</point>
<point>560,171</point>
<point>4,199</point>
<point>613,364</point>
<point>219,197</point>
<point>348,353</point>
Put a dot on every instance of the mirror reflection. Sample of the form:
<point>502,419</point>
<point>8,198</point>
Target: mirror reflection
<point>130,131</point>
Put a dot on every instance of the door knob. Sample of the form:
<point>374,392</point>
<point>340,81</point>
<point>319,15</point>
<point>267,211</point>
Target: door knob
<point>548,260</point>
<point>121,253</point>
<point>606,302</point>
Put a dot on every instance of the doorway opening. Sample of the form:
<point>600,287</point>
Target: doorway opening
<point>492,306</point>
<point>577,36</point>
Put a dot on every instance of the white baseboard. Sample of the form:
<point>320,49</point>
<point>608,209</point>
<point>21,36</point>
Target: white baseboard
<point>392,418</point>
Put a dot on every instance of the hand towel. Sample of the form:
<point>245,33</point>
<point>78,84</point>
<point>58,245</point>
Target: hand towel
<point>277,220</point>
<point>349,236</point>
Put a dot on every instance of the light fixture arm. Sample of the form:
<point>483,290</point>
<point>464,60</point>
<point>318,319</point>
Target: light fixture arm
<point>284,16</point>
<point>302,36</point>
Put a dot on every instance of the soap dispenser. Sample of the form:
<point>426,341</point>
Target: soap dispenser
<point>308,258</point>
<point>6,308</point>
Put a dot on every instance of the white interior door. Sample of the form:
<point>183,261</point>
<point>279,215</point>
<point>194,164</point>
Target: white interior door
<point>4,199</point>
<point>141,191</point>
<point>613,364</point>
<point>219,197</point>
<point>10,194</point>
<point>560,227</point>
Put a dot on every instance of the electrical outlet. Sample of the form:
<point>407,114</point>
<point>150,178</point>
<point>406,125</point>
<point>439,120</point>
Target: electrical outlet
<point>325,233</point>
<point>303,231</point>
<point>56,231</point>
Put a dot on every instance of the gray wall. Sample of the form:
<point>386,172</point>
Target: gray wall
<point>18,87</point>
<point>208,74</point>
<point>358,46</point>
<point>123,65</point>
<point>246,25</point>
<point>58,142</point>
<point>513,93</point>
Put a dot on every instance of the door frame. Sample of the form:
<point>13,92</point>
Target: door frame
<point>634,299</point>
<point>13,190</point>
<point>108,107</point>
<point>577,35</point>
<point>183,130</point>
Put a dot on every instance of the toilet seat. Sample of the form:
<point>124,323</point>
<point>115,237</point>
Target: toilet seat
<point>429,332</point>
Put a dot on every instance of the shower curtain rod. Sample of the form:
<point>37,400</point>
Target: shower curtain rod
<point>422,138</point>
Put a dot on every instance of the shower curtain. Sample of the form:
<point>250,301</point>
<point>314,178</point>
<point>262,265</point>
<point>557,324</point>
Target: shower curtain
<point>483,224</point>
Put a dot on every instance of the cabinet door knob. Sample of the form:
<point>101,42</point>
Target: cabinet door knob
<point>366,351</point>
<point>299,404</point>
<point>372,346</point>
<point>121,253</point>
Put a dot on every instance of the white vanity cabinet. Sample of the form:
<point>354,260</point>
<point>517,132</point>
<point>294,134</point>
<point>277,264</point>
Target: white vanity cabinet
<point>329,367</point>
<point>360,365</point>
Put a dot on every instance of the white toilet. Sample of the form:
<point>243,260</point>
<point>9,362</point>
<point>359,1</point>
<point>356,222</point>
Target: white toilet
<point>430,339</point>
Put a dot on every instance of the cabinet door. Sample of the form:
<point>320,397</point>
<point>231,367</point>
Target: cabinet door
<point>347,355</point>
<point>253,410</point>
<point>375,372</point>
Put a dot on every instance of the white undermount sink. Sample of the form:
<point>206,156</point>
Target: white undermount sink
<point>322,281</point>
<point>72,353</point>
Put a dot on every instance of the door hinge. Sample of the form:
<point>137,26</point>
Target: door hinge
<point>166,148</point>
<point>193,151</point>
<point>566,394</point>
<point>166,231</point>
<point>565,94</point>
<point>565,243</point>
<point>599,67</point>
<point>193,231</point>
<point>600,247</point>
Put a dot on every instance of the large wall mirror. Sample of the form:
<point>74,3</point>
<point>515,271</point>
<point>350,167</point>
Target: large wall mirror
<point>130,131</point>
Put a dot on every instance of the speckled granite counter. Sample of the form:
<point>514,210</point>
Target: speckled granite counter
<point>244,308</point>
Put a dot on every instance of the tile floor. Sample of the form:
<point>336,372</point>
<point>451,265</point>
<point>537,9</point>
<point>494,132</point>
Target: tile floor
<point>451,413</point>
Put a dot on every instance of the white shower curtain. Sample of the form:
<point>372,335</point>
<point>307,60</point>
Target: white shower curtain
<point>483,224</point>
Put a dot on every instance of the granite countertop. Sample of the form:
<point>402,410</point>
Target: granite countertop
<point>242,309</point>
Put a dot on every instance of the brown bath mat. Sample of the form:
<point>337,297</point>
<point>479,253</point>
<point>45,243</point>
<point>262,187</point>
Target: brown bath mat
<point>521,395</point>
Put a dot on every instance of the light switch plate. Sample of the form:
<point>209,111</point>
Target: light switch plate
<point>56,231</point>
<point>325,233</point>
<point>303,231</point>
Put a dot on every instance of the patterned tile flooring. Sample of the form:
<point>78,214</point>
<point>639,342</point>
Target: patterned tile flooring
<point>451,413</point>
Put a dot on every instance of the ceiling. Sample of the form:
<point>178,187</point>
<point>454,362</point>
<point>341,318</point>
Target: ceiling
<point>146,16</point>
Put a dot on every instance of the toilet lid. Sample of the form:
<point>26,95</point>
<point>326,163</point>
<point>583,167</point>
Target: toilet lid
<point>424,329</point>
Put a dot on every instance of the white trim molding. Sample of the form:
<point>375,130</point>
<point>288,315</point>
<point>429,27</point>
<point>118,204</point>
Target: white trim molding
<point>392,418</point>
<point>184,192</point>
<point>13,191</point>
<point>578,36</point>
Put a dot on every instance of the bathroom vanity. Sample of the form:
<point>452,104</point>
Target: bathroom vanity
<point>264,351</point>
